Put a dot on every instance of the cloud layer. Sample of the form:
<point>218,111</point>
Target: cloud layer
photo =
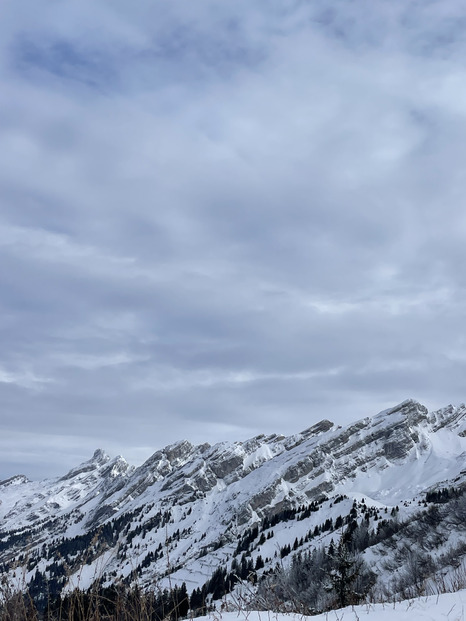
<point>220,219</point>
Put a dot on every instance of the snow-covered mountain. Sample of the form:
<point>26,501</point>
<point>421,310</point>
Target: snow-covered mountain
<point>189,510</point>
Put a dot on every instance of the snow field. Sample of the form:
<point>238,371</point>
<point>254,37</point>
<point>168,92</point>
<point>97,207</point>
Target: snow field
<point>445,607</point>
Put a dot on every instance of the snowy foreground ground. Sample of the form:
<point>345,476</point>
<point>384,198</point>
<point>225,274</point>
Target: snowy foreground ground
<point>449,607</point>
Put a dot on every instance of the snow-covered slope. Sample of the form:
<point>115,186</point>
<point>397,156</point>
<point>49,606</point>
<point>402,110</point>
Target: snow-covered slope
<point>446,607</point>
<point>188,509</point>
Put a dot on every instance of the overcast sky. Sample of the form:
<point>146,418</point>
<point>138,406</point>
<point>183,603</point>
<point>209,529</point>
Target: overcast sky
<point>225,217</point>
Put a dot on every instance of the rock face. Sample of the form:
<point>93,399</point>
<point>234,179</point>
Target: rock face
<point>197,500</point>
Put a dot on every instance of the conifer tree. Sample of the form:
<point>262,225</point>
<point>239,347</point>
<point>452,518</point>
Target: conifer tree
<point>343,573</point>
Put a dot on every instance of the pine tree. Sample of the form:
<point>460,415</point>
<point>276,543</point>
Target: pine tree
<point>343,573</point>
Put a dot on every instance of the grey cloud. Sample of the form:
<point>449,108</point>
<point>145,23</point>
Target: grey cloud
<point>225,220</point>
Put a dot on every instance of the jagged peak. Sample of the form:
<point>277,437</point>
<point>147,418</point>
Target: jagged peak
<point>17,479</point>
<point>119,466</point>
<point>321,427</point>
<point>98,459</point>
<point>179,445</point>
<point>451,416</point>
<point>100,456</point>
<point>403,407</point>
<point>173,454</point>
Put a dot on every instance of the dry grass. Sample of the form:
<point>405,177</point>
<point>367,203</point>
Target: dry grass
<point>112,604</point>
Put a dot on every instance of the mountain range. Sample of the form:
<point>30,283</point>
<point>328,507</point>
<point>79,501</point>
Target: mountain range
<point>246,507</point>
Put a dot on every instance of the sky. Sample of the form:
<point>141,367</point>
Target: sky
<point>224,218</point>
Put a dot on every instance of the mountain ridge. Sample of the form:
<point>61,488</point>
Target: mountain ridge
<point>324,447</point>
<point>196,503</point>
